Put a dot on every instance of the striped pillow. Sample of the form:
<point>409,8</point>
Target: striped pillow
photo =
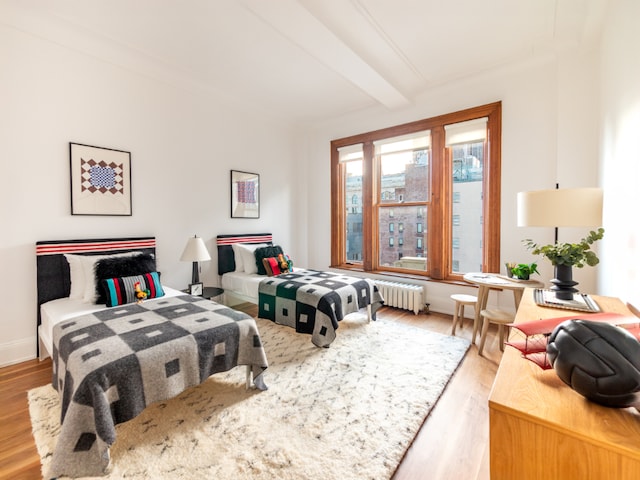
<point>121,290</point>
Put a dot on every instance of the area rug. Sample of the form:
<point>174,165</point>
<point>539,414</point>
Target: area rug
<point>345,412</point>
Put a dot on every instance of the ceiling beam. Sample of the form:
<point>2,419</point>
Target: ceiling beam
<point>298,25</point>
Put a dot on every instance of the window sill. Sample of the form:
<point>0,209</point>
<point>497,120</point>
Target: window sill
<point>396,275</point>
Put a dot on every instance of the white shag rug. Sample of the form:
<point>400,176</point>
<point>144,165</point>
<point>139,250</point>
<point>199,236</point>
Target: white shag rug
<point>349,411</point>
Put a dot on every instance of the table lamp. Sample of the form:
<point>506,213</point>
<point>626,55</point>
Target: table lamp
<point>195,252</point>
<point>567,207</point>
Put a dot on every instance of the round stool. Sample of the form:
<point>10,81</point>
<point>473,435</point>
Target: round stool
<point>458,310</point>
<point>499,317</point>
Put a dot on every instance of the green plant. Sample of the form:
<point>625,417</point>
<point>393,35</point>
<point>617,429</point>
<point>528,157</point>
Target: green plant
<point>571,254</point>
<point>523,270</point>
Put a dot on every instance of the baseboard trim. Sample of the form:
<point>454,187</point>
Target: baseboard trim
<point>17,351</point>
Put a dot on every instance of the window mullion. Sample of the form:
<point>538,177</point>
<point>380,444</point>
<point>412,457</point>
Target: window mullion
<point>369,204</point>
<point>438,221</point>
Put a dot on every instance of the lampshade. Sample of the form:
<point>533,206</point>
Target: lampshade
<point>195,251</point>
<point>566,207</point>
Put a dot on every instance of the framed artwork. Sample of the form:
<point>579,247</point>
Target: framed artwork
<point>245,194</point>
<point>100,180</point>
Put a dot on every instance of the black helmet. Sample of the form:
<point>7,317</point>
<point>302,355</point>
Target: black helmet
<point>598,360</point>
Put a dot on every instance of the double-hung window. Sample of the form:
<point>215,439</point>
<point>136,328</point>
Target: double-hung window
<point>436,182</point>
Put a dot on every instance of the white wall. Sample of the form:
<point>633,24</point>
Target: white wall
<point>539,102</point>
<point>183,144</point>
<point>620,124</point>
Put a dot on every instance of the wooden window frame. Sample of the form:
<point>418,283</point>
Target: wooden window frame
<point>439,211</point>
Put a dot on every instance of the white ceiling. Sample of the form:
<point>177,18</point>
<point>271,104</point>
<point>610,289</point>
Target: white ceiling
<point>305,60</point>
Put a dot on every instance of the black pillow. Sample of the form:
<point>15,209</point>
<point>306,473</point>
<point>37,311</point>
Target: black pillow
<point>266,252</point>
<point>121,267</point>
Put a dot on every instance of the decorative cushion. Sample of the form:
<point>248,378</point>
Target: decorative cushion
<point>121,290</point>
<point>121,267</point>
<point>266,252</point>
<point>82,274</point>
<point>271,266</point>
<point>285,262</point>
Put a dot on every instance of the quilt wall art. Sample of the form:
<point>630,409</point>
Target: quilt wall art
<point>100,180</point>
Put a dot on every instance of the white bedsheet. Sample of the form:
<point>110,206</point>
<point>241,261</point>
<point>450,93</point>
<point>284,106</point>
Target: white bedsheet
<point>242,284</point>
<point>56,311</point>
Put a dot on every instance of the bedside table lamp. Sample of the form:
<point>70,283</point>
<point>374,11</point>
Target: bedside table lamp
<point>195,252</point>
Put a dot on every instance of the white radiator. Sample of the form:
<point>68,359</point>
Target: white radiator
<point>402,295</point>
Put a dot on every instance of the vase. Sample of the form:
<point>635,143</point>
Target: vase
<point>563,283</point>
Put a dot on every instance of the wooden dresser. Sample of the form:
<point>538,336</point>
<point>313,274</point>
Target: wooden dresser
<point>542,429</point>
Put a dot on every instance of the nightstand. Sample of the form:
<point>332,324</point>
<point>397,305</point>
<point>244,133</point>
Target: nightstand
<point>212,293</point>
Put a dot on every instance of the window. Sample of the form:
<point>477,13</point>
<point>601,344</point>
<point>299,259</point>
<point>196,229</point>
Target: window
<point>438,179</point>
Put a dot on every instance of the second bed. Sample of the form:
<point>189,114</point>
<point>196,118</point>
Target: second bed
<point>311,301</point>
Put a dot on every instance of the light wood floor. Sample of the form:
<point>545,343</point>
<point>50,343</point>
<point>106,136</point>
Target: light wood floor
<point>452,444</point>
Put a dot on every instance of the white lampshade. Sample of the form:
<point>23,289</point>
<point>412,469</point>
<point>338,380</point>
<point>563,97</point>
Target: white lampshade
<point>195,251</point>
<point>566,207</point>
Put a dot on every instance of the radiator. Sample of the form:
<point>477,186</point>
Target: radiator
<point>402,295</point>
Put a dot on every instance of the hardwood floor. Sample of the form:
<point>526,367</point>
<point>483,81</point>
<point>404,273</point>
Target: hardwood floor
<point>452,444</point>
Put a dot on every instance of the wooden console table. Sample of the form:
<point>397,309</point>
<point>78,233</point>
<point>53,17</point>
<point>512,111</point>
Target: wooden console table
<point>542,429</point>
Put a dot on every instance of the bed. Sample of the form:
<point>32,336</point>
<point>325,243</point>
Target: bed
<point>311,301</point>
<point>109,363</point>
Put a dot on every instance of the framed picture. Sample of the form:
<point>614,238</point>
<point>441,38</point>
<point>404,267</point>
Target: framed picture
<point>100,180</point>
<point>245,194</point>
<point>195,289</point>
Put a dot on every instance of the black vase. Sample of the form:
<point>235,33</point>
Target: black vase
<point>563,283</point>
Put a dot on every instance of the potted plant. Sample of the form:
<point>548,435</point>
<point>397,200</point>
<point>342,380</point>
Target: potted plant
<point>563,256</point>
<point>523,271</point>
<point>569,254</point>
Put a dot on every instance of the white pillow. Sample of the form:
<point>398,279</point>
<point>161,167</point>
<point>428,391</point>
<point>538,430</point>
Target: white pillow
<point>76,273</point>
<point>247,252</point>
<point>238,257</point>
<point>82,270</point>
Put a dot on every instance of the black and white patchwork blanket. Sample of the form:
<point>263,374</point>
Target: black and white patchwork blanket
<point>314,302</point>
<point>109,365</point>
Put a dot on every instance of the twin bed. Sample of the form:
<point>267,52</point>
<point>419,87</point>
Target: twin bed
<point>311,301</point>
<point>109,363</point>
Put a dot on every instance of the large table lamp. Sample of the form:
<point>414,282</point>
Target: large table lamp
<point>195,252</point>
<point>566,207</point>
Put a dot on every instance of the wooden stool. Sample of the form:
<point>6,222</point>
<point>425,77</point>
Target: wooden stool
<point>458,312</point>
<point>499,317</point>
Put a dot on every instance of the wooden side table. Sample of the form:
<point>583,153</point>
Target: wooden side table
<point>540,428</point>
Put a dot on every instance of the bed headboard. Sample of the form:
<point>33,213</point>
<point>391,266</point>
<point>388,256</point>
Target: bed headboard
<point>226,259</point>
<point>53,280</point>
